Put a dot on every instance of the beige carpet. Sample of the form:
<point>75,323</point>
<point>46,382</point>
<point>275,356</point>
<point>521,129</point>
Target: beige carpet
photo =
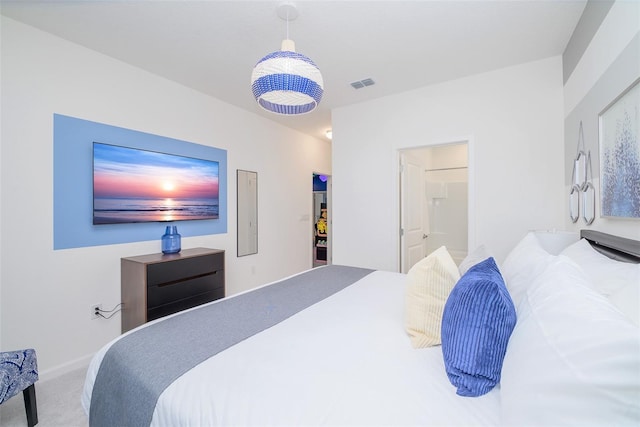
<point>58,402</point>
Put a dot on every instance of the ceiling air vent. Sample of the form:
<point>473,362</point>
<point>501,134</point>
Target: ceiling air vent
<point>362,83</point>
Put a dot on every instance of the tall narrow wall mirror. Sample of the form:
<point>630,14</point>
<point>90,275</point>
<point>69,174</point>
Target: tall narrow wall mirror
<point>247,212</point>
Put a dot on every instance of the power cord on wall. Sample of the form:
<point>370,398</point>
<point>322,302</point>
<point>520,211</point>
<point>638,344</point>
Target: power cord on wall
<point>117,308</point>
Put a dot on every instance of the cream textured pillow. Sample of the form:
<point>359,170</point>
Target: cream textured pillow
<point>429,283</point>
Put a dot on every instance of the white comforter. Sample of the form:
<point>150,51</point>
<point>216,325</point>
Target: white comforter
<point>343,361</point>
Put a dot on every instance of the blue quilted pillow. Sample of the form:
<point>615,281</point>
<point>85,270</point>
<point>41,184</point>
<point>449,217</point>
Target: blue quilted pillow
<point>477,322</point>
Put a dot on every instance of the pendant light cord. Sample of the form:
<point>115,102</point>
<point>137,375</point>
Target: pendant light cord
<point>287,24</point>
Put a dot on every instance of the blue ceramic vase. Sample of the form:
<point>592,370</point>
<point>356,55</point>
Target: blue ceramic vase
<point>171,240</point>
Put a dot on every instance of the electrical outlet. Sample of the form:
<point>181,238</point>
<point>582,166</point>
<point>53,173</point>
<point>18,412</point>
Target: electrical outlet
<point>95,309</point>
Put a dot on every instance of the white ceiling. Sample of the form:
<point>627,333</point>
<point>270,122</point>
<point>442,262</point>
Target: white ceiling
<point>212,46</point>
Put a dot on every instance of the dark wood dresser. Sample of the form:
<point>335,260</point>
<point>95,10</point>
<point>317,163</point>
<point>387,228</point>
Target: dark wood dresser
<point>156,285</point>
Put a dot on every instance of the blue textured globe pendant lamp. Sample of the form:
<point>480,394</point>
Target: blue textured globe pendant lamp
<point>171,240</point>
<point>286,82</point>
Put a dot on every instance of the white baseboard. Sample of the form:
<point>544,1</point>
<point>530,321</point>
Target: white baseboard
<point>65,368</point>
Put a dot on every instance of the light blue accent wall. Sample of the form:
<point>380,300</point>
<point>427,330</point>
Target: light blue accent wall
<point>73,184</point>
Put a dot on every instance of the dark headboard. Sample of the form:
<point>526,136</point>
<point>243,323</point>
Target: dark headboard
<point>618,248</point>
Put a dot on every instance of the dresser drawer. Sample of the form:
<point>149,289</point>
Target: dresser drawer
<point>181,269</point>
<point>165,293</point>
<point>183,304</point>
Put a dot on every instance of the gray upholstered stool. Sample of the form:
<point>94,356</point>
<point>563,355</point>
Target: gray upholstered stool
<point>18,373</point>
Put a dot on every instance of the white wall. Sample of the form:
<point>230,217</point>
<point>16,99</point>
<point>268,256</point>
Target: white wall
<point>609,64</point>
<point>513,119</point>
<point>45,294</point>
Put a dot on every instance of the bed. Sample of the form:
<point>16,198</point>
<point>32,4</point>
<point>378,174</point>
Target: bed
<point>335,346</point>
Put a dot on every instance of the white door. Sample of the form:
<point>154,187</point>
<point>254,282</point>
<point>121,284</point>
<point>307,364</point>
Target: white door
<point>413,227</point>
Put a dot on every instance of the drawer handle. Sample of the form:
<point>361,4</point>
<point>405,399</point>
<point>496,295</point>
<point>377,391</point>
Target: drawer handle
<point>185,279</point>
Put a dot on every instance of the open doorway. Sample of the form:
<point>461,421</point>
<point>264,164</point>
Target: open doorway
<point>434,200</point>
<point>322,241</point>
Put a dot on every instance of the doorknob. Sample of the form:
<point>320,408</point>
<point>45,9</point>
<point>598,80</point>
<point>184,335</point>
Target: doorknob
<point>424,236</point>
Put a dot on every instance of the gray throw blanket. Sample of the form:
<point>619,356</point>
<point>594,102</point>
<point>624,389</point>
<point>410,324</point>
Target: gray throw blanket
<point>138,367</point>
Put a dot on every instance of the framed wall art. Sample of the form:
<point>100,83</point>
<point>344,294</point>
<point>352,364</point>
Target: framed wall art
<point>619,135</point>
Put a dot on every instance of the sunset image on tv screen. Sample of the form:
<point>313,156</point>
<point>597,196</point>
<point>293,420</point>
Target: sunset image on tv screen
<point>133,185</point>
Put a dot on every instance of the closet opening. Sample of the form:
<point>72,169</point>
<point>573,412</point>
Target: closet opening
<point>321,227</point>
<point>434,202</point>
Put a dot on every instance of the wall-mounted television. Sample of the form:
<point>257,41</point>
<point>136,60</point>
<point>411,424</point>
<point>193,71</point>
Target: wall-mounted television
<point>134,185</point>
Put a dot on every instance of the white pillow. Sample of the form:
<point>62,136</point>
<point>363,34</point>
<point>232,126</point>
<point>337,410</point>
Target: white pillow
<point>523,264</point>
<point>607,275</point>
<point>478,255</point>
<point>555,241</point>
<point>627,300</point>
<point>429,283</point>
<point>572,358</point>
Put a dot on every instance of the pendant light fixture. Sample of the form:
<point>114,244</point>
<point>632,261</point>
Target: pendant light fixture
<point>286,82</point>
